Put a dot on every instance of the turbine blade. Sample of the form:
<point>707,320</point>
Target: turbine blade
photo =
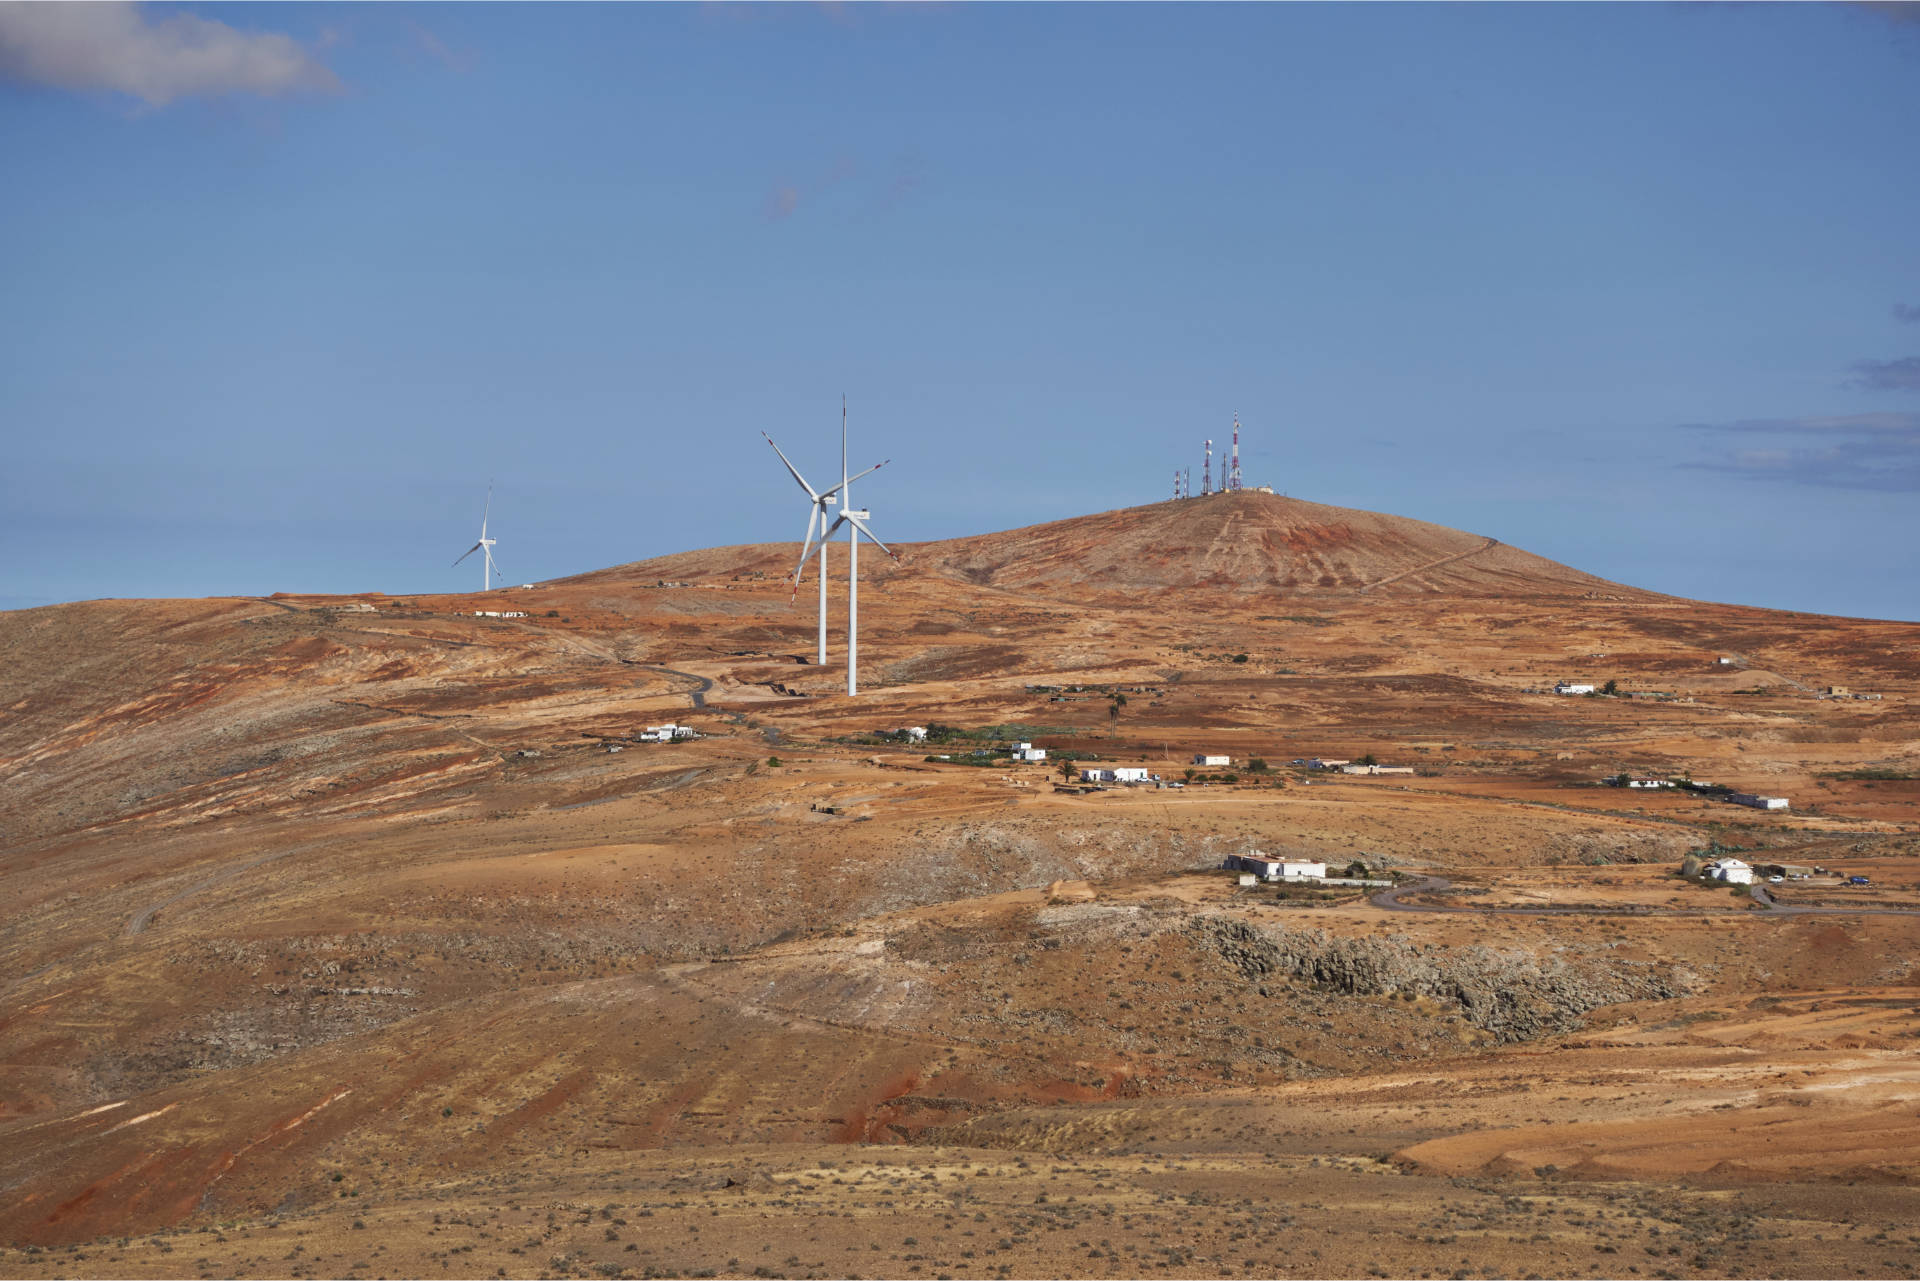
<point>470,551</point>
<point>860,525</point>
<point>487,510</point>
<point>806,550</point>
<point>856,476</point>
<point>794,471</point>
<point>843,442</point>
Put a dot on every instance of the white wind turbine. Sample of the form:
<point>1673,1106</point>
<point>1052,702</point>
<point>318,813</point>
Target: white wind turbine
<point>819,529</point>
<point>488,570</point>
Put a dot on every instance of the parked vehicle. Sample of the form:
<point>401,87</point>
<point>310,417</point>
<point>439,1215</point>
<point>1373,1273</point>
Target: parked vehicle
<point>1775,880</point>
<point>1858,880</point>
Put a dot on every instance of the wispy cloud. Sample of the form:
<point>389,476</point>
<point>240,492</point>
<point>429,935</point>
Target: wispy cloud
<point>461,60</point>
<point>1848,451</point>
<point>877,191</point>
<point>112,46</point>
<point>1888,375</point>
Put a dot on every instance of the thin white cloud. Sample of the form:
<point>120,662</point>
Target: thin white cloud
<point>112,46</point>
<point>1847,451</point>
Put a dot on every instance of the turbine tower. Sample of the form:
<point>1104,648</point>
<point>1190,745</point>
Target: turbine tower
<point>819,530</point>
<point>1233,477</point>
<point>855,521</point>
<point>488,570</point>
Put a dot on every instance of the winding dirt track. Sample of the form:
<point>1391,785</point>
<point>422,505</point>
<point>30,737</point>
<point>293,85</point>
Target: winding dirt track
<point>1390,901</point>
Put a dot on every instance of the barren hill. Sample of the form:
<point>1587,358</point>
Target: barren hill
<point>1245,543</point>
<point>368,936</point>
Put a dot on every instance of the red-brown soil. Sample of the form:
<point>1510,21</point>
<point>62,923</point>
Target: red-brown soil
<point>339,943</point>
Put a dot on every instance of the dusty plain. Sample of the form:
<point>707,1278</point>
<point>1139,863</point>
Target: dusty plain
<point>341,941</point>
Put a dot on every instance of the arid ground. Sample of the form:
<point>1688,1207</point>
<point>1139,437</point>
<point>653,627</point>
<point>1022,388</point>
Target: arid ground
<point>360,937</point>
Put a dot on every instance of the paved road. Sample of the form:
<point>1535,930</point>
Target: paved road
<point>699,696</point>
<point>1390,901</point>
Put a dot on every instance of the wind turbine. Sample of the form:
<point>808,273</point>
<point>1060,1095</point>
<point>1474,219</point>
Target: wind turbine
<point>819,531</point>
<point>485,547</point>
<point>855,521</point>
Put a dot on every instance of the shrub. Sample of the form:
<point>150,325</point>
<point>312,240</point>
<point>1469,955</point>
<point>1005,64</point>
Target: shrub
<point>773,762</point>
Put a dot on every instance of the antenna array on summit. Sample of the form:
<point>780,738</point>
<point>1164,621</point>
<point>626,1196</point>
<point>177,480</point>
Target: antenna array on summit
<point>1229,472</point>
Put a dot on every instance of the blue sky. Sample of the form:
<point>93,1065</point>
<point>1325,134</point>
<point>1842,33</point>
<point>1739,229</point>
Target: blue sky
<point>1636,287</point>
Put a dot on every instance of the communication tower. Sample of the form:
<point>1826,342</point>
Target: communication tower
<point>1206,473</point>
<point>1233,477</point>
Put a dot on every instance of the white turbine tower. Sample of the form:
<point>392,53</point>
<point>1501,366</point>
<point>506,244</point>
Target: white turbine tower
<point>488,570</point>
<point>819,531</point>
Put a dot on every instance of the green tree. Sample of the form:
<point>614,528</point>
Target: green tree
<point>1611,687</point>
<point>1256,766</point>
<point>1368,759</point>
<point>1190,773</point>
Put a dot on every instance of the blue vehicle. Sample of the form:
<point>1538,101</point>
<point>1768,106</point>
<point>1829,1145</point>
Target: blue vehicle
<point>1858,880</point>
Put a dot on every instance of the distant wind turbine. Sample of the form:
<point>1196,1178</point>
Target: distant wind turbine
<point>819,531</point>
<point>488,570</point>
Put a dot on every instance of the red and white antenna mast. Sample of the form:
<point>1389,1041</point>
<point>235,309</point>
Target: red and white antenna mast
<point>1233,477</point>
<point>1206,473</point>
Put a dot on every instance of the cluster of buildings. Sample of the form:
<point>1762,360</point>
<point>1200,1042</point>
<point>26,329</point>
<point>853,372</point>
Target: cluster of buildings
<point>668,733</point>
<point>500,613</point>
<point>1751,799</point>
<point>1352,767</point>
<point>1118,774</point>
<point>1277,869</point>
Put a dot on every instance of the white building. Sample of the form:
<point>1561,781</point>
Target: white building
<point>1094,774</point>
<point>1030,754</point>
<point>1212,760</point>
<point>915,733</point>
<point>667,733</point>
<point>1759,802</point>
<point>1267,869</point>
<point>1131,774</point>
<point>1570,687</point>
<point>1649,782</point>
<point>1730,870</point>
<point>1325,762</point>
<point>1295,869</point>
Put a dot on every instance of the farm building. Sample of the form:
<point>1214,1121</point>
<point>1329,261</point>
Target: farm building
<point>1730,870</point>
<point>1028,753</point>
<point>1325,762</point>
<point>1203,759</point>
<point>1267,869</point>
<point>1131,774</point>
<point>1300,869</point>
<point>1573,687</point>
<point>1759,802</point>
<point>668,733</point>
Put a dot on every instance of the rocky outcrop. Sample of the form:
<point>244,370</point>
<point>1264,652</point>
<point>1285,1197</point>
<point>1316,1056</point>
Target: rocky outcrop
<point>1514,996</point>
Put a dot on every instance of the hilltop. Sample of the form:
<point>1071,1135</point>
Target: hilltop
<point>1243,544</point>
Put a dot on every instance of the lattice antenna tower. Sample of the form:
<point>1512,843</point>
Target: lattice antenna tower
<point>1233,477</point>
<point>1206,473</point>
